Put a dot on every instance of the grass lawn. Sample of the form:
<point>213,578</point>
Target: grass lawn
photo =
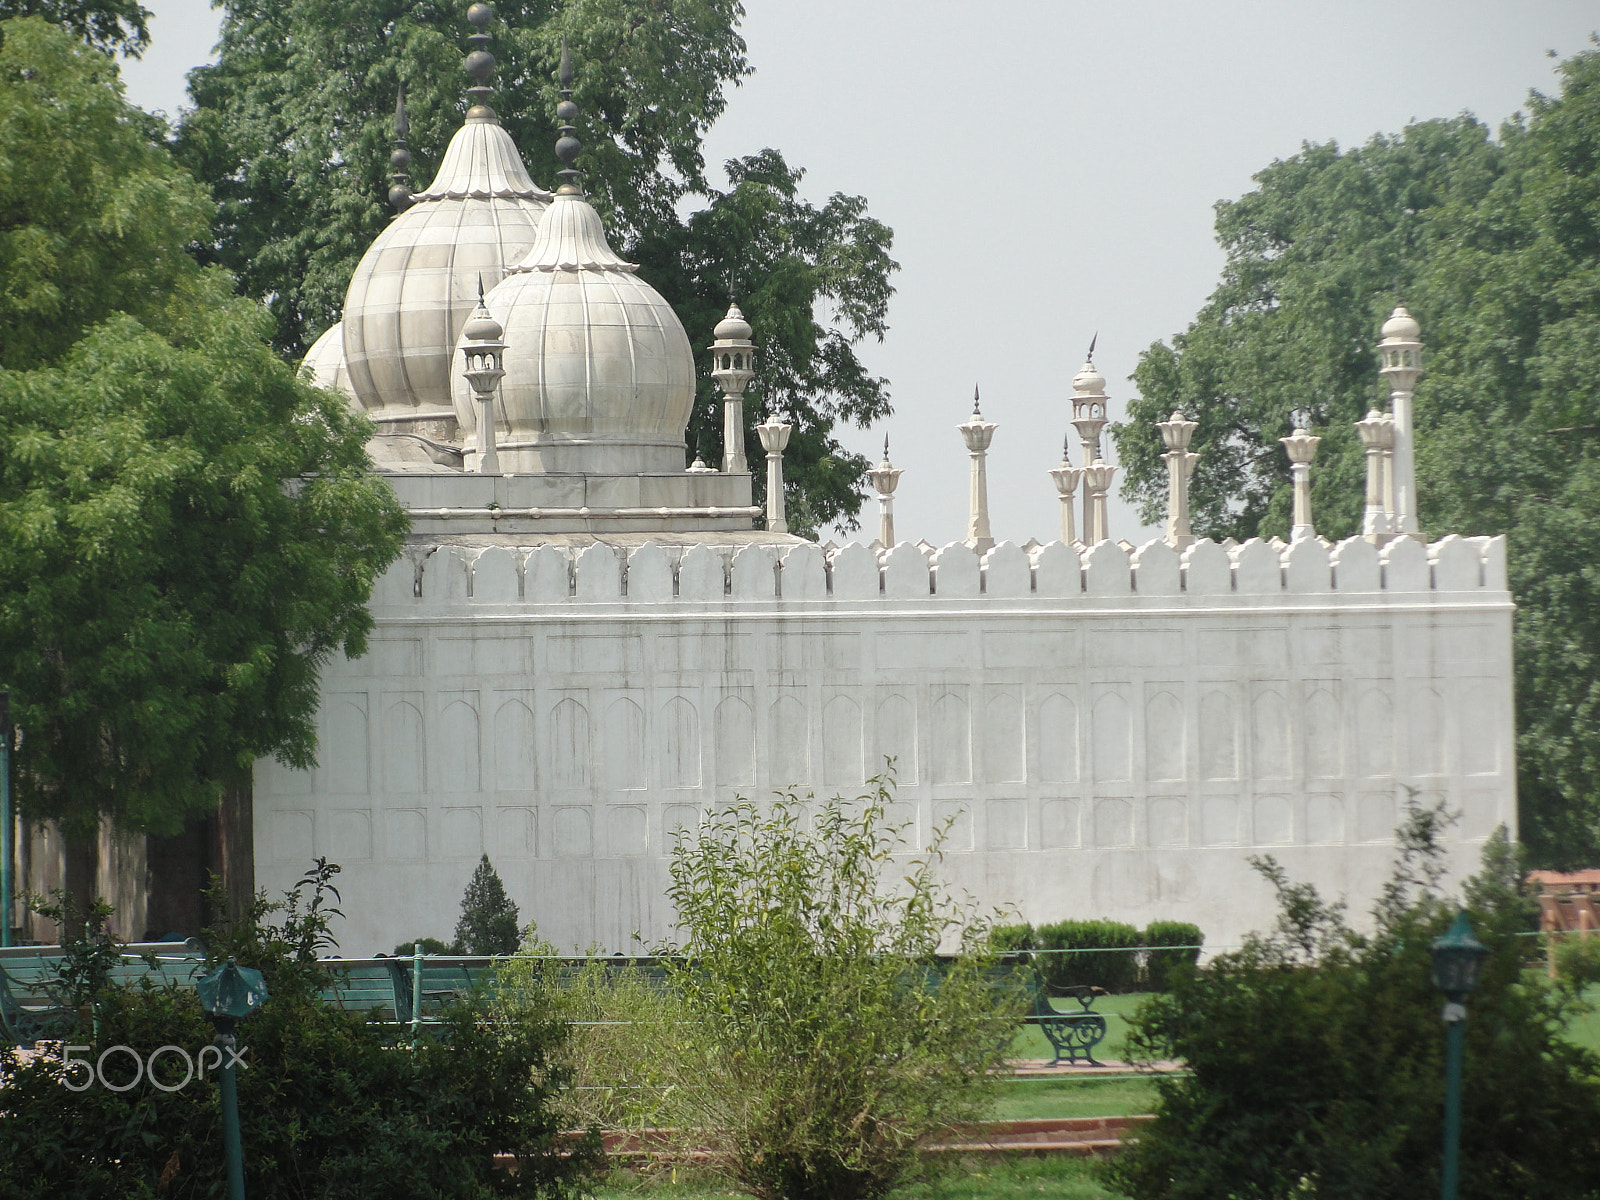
<point>1585,1029</point>
<point>1035,1099</point>
<point>969,1179</point>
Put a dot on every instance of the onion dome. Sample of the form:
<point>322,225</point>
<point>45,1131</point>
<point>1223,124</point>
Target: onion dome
<point>325,361</point>
<point>1401,327</point>
<point>599,374</point>
<point>417,283</point>
<point>1088,381</point>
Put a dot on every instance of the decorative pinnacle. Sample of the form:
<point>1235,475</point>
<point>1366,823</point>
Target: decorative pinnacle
<point>975,411</point>
<point>1066,447</point>
<point>480,63</point>
<point>1090,356</point>
<point>567,146</point>
<point>400,159</point>
<point>886,447</point>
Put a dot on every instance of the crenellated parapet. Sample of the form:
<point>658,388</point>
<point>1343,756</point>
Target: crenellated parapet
<point>1206,572</point>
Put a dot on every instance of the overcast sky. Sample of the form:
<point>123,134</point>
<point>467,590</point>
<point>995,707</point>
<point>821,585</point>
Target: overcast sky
<point>1049,169</point>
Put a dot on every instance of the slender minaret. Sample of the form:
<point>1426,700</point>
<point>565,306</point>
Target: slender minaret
<point>1176,431</point>
<point>1302,448</point>
<point>400,158</point>
<point>1089,418</point>
<point>774,437</point>
<point>1377,436</point>
<point>732,366</point>
<point>485,355</point>
<point>1401,350</point>
<point>1066,477</point>
<point>884,478</point>
<point>977,434</point>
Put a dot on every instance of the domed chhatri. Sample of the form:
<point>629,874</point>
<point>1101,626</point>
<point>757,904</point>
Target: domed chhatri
<point>599,373</point>
<point>416,285</point>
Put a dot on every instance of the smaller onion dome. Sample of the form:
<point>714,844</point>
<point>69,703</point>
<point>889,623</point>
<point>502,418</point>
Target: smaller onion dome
<point>1088,381</point>
<point>733,327</point>
<point>599,374</point>
<point>325,361</point>
<point>1401,327</point>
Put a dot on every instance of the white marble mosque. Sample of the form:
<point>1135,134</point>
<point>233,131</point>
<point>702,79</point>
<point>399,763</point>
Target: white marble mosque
<point>587,643</point>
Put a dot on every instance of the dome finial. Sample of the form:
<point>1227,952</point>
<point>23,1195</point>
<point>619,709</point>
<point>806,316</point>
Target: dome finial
<point>1089,357</point>
<point>480,63</point>
<point>400,159</point>
<point>567,146</point>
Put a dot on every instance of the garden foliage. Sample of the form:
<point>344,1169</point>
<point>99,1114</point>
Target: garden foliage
<point>1105,954</point>
<point>331,1105</point>
<point>1315,1054</point>
<point>823,1038</point>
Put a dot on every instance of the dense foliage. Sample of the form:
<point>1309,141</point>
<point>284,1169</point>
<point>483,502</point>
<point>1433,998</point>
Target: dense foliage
<point>292,129</point>
<point>1494,245</point>
<point>1105,954</point>
<point>186,530</point>
<point>820,1039</point>
<point>328,1101</point>
<point>488,923</point>
<point>108,25</point>
<point>1315,1055</point>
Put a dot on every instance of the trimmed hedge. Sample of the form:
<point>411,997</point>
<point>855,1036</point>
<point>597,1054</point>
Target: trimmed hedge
<point>1159,964</point>
<point>1107,954</point>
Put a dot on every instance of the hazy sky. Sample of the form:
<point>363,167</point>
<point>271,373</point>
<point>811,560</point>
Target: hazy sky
<point>1049,167</point>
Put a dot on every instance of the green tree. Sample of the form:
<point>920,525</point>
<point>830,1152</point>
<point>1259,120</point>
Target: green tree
<point>822,1039</point>
<point>488,923</point>
<point>292,129</point>
<point>109,25</point>
<point>1315,1054</point>
<point>186,529</point>
<point>1494,244</point>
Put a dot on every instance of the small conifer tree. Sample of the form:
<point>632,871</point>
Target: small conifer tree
<point>488,922</point>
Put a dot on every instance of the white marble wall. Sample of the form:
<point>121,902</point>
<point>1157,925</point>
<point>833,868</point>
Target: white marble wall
<point>1111,735</point>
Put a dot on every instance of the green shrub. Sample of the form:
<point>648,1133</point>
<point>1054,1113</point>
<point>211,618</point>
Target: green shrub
<point>1159,963</point>
<point>1315,1055</point>
<point>1578,962</point>
<point>1005,939</point>
<point>822,1039</point>
<point>429,946</point>
<point>1098,953</point>
<point>331,1105</point>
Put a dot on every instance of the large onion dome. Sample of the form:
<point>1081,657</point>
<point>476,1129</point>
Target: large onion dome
<point>417,283</point>
<point>599,373</point>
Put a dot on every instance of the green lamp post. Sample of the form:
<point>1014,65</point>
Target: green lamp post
<point>1457,964</point>
<point>229,994</point>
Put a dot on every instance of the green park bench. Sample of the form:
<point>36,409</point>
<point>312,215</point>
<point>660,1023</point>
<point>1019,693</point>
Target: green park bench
<point>1074,1032</point>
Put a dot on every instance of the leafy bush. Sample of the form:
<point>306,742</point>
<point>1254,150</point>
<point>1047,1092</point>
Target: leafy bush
<point>429,946</point>
<point>1578,962</point>
<point>1108,955</point>
<point>822,1040</point>
<point>624,1017</point>
<point>1159,963</point>
<point>1011,938</point>
<point>328,1103</point>
<point>1315,1055</point>
<point>488,922</point>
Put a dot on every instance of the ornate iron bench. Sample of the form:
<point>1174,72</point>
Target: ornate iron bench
<point>1073,1032</point>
